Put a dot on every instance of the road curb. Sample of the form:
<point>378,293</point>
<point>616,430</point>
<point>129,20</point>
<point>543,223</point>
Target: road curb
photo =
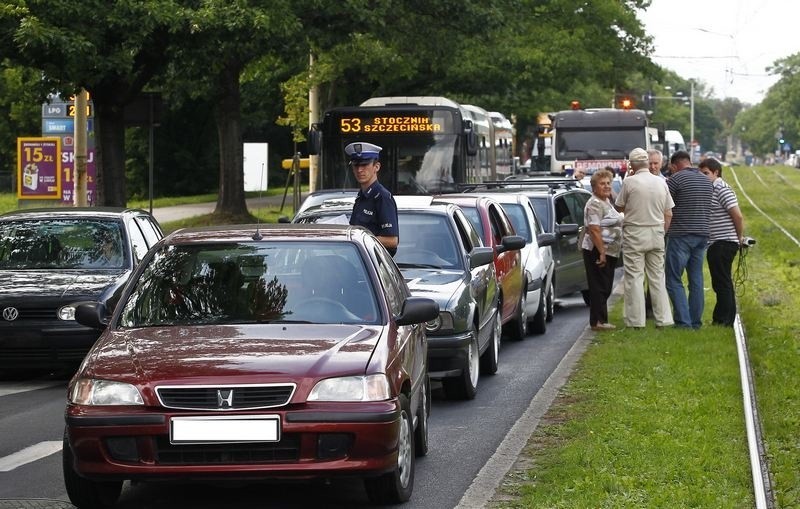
<point>491,475</point>
<point>485,484</point>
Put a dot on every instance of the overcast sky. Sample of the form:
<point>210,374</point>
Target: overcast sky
<point>727,44</point>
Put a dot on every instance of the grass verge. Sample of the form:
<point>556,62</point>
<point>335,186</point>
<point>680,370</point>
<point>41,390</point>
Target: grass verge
<point>654,418</point>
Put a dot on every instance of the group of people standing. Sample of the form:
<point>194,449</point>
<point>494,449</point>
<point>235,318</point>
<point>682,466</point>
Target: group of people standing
<point>663,227</point>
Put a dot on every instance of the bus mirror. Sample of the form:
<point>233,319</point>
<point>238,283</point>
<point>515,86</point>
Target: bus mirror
<point>472,143</point>
<point>314,140</point>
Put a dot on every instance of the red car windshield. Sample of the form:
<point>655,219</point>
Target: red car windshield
<point>254,282</point>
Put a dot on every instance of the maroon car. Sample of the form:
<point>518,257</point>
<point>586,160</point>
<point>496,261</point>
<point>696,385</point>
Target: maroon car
<point>496,231</point>
<point>247,352</point>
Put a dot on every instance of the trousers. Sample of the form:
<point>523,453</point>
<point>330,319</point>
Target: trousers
<point>643,253</point>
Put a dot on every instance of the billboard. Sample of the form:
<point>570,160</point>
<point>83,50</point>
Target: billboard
<point>38,168</point>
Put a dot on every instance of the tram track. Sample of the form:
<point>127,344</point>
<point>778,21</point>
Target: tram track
<point>763,493</point>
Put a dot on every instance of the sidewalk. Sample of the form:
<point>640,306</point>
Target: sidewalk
<point>178,212</point>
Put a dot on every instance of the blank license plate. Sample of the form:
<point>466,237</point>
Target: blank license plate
<point>225,429</point>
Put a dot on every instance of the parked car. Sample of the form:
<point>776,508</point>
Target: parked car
<point>537,258</point>
<point>441,256</point>
<point>496,231</point>
<point>247,352</point>
<point>559,205</point>
<point>51,258</point>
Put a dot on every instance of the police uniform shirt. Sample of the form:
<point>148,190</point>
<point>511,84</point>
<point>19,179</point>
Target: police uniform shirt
<point>376,210</point>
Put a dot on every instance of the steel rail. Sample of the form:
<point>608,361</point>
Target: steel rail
<point>762,486</point>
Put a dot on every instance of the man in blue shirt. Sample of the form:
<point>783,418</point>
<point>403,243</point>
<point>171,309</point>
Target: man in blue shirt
<point>687,239</point>
<point>375,208</point>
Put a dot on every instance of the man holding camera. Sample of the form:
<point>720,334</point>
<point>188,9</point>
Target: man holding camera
<point>726,236</point>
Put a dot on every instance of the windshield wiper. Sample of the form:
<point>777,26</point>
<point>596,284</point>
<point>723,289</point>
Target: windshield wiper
<point>418,266</point>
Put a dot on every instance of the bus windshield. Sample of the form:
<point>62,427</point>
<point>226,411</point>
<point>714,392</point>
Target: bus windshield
<point>598,144</point>
<point>423,148</point>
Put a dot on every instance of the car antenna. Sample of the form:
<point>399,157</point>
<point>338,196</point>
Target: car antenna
<point>257,234</point>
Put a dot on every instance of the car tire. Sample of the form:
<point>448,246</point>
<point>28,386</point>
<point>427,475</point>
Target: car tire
<point>539,323</point>
<point>585,295</point>
<point>465,386</point>
<point>395,487</point>
<point>518,327</point>
<point>83,492</point>
<point>550,303</point>
<point>492,354</point>
<point>423,413</point>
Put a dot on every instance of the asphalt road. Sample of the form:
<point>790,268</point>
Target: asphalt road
<point>463,437</point>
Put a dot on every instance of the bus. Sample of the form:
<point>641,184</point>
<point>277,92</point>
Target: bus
<point>596,138</point>
<point>430,144</point>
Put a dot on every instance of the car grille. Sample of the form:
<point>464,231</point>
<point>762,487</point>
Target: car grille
<point>245,397</point>
<point>37,313</point>
<point>288,449</point>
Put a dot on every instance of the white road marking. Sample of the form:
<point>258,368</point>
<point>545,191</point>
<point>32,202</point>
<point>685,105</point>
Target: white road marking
<point>14,388</point>
<point>29,455</point>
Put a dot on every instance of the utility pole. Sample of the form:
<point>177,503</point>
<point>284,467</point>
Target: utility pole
<point>81,127</point>
<point>313,118</point>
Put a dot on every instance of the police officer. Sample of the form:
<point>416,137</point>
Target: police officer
<point>375,208</point>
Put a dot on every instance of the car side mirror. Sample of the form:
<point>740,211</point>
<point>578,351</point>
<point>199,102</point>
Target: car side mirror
<point>480,256</point>
<point>511,243</point>
<point>91,314</point>
<point>417,310</point>
<point>567,229</point>
<point>546,239</point>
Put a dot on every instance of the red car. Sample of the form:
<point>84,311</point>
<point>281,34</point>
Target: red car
<point>497,232</point>
<point>254,352</point>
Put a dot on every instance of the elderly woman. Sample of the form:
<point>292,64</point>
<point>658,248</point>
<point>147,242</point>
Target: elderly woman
<point>601,244</point>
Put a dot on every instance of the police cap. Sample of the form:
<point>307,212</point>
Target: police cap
<point>362,151</point>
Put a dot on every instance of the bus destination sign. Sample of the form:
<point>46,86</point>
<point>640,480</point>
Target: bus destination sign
<point>391,124</point>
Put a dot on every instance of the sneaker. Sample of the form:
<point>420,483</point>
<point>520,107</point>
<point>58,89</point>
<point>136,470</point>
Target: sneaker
<point>604,326</point>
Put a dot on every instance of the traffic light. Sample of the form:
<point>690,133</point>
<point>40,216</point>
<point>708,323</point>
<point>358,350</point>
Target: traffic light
<point>781,138</point>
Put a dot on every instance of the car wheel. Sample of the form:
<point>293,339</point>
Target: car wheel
<point>550,303</point>
<point>395,487</point>
<point>518,327</point>
<point>490,356</point>
<point>585,295</point>
<point>423,412</point>
<point>465,386</point>
<point>84,492</point>
<point>539,322</point>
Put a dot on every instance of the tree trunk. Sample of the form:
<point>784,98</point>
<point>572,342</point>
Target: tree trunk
<point>109,129</point>
<point>231,200</point>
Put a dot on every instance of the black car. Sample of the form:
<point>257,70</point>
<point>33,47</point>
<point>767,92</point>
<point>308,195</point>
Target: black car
<point>49,260</point>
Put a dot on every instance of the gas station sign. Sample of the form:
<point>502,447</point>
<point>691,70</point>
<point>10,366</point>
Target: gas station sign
<point>58,120</point>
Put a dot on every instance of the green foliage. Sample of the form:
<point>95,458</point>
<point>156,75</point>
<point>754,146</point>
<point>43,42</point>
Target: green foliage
<point>20,109</point>
<point>759,125</point>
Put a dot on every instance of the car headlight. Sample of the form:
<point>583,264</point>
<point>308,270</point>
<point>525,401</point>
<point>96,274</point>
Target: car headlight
<point>103,392</point>
<point>442,323</point>
<point>351,388</point>
<point>66,313</point>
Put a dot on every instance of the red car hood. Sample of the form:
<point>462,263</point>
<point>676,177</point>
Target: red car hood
<point>245,353</point>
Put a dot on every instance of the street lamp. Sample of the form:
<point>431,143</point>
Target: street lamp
<point>679,96</point>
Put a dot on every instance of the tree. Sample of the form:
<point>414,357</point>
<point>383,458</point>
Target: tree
<point>20,104</point>
<point>110,49</point>
<point>222,39</point>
